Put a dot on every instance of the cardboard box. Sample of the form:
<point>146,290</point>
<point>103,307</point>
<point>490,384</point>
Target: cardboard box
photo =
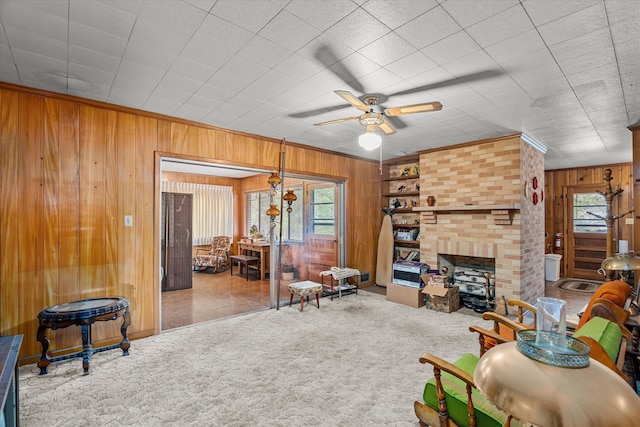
<point>438,280</point>
<point>446,300</point>
<point>406,295</point>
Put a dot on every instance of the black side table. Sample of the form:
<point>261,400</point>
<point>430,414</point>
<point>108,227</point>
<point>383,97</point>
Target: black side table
<point>83,313</point>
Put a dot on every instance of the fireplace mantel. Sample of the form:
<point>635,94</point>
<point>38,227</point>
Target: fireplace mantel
<point>515,207</point>
<point>502,213</point>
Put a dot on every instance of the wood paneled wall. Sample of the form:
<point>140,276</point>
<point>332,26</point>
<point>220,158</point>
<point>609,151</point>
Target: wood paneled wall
<point>555,181</point>
<point>70,169</point>
<point>635,182</point>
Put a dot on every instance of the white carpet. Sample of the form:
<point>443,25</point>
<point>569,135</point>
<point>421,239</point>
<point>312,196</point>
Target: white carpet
<point>353,362</point>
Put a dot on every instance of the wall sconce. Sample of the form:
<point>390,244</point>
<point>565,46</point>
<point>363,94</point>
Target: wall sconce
<point>370,140</point>
<point>290,197</point>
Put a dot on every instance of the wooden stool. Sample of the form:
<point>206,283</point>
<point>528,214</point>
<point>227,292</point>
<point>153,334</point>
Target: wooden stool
<point>243,260</point>
<point>303,289</point>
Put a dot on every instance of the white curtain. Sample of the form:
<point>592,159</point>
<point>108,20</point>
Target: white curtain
<point>212,209</point>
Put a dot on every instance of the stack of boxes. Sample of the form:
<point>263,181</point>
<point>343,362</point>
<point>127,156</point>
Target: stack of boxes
<point>407,283</point>
<point>439,295</point>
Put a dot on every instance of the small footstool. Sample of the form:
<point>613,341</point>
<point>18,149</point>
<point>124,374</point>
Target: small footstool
<point>303,289</point>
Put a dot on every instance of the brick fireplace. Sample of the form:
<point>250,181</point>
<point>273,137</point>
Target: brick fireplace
<point>485,208</point>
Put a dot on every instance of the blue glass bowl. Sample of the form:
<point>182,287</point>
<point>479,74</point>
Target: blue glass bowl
<point>574,354</point>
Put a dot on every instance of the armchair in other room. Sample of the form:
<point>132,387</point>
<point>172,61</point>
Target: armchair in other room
<point>215,258</point>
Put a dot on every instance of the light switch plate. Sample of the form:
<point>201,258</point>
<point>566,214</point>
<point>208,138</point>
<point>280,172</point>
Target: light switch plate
<point>128,221</point>
<point>628,221</point>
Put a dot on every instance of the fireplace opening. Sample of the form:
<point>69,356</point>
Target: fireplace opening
<point>475,278</point>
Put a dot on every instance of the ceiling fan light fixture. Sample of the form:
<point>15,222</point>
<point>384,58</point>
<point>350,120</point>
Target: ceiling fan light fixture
<point>370,140</point>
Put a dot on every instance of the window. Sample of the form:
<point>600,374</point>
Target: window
<point>257,205</point>
<point>583,221</point>
<point>323,211</point>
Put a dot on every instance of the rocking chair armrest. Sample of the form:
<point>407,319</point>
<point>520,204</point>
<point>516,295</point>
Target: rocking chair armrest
<point>500,339</point>
<point>445,366</point>
<point>499,319</point>
<point>522,306</point>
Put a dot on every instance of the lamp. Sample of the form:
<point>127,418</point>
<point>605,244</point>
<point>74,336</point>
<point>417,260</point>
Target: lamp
<point>546,395</point>
<point>274,180</point>
<point>370,140</point>
<point>290,198</point>
<point>273,212</point>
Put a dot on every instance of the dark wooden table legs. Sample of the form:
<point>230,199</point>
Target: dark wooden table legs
<point>84,314</point>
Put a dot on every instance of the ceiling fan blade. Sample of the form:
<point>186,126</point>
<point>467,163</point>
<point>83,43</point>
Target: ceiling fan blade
<point>415,108</point>
<point>395,121</point>
<point>353,100</point>
<point>450,82</point>
<point>317,111</point>
<point>330,122</point>
<point>386,128</point>
<point>329,59</point>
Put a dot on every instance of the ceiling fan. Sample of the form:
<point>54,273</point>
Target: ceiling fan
<point>375,120</point>
<point>326,56</point>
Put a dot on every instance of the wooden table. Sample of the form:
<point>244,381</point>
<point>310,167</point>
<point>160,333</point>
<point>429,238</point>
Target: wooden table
<point>243,260</point>
<point>83,313</point>
<point>262,250</point>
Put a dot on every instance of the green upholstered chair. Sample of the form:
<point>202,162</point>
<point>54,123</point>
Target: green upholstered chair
<point>606,337</point>
<point>605,332</point>
<point>616,291</point>
<point>451,399</point>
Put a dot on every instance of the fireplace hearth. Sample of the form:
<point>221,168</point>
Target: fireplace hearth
<point>475,278</point>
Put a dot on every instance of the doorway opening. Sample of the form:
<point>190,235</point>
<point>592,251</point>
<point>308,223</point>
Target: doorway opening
<point>302,244</point>
<point>586,233</point>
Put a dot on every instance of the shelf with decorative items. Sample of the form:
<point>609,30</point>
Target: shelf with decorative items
<point>401,194</point>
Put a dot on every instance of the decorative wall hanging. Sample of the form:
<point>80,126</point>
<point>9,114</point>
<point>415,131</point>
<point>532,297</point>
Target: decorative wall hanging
<point>535,183</point>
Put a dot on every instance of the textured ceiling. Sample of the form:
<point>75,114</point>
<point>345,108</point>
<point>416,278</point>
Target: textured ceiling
<point>566,73</point>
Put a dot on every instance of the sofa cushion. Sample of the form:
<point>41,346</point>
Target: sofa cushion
<point>607,333</point>
<point>617,291</point>
<point>456,397</point>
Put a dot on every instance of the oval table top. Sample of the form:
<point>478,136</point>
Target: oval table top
<point>84,309</point>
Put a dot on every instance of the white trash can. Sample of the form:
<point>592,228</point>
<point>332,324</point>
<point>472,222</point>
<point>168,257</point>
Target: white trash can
<point>552,267</point>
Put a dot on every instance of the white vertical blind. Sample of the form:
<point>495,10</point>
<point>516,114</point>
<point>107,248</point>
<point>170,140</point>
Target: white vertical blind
<point>212,209</point>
